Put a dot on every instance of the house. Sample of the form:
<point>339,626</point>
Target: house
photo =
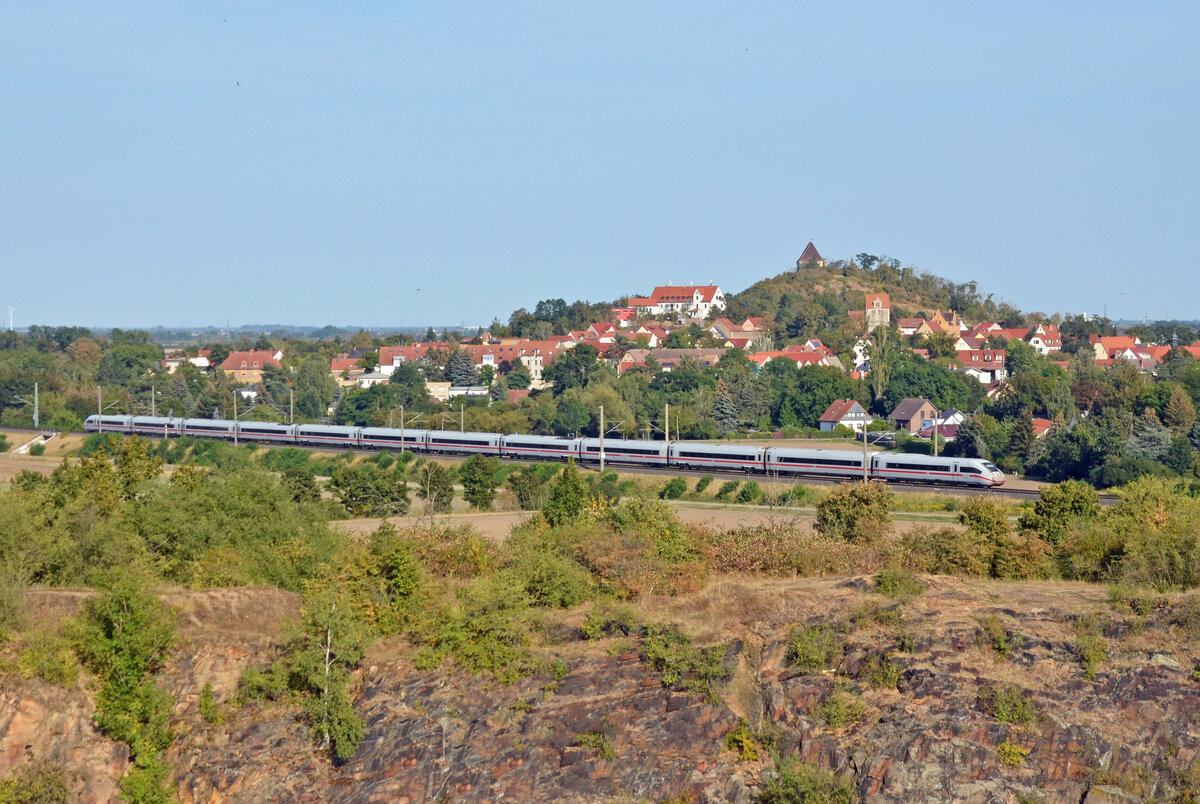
<point>810,255</point>
<point>755,324</point>
<point>724,328</point>
<point>1114,346</point>
<point>878,311</point>
<point>345,370</point>
<point>985,365</point>
<point>624,316</point>
<point>909,326</point>
<point>1041,426</point>
<point>949,323</point>
<point>844,412</point>
<point>1045,339</point>
<point>694,301</point>
<point>371,378</point>
<point>912,414</point>
<point>947,432</point>
<point>247,367</point>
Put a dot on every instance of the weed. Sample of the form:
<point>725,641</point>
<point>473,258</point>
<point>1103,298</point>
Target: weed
<point>1090,644</point>
<point>1012,754</point>
<point>209,709</point>
<point>797,781</point>
<point>871,612</point>
<point>1010,704</point>
<point>882,673</point>
<point>814,649</point>
<point>743,742</point>
<point>992,633</point>
<point>906,642</point>
<point>895,582</point>
<point>599,742</point>
<point>838,710</point>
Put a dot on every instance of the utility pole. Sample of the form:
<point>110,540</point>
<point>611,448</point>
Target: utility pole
<point>462,416</point>
<point>935,431</point>
<point>36,420</point>
<point>866,474</point>
<point>601,439</point>
<point>291,406</point>
<point>667,423</point>
<point>235,396</point>
<point>99,411</point>
<point>153,408</point>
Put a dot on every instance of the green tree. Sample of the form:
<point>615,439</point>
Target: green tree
<point>436,487</point>
<point>478,477</point>
<point>1180,413</point>
<point>460,371</point>
<point>315,388</point>
<point>518,378</point>
<point>367,490</point>
<point>568,499</point>
<point>328,649</point>
<point>574,368</point>
<point>725,411</point>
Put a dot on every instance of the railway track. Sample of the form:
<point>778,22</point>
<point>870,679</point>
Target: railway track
<point>812,480</point>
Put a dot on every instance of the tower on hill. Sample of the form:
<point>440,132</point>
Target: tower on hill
<point>878,312</point>
<point>810,255</point>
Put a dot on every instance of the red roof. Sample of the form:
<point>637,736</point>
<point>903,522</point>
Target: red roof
<point>1040,426</point>
<point>671,294</point>
<point>249,361</point>
<point>811,254</point>
<point>839,409</point>
<point>884,300</point>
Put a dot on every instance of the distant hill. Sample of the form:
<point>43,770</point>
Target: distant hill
<point>815,300</point>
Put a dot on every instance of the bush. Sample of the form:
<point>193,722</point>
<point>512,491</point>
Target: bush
<point>1010,704</point>
<point>1011,754</point>
<point>993,634</point>
<point>881,672</point>
<point>49,657</point>
<point>896,582</point>
<point>727,488</point>
<point>207,705</point>
<point>1060,505</point>
<point>552,581</point>
<point>672,654</point>
<point>478,477</point>
<point>837,710</point>
<point>796,781</point>
<point>674,488</point>
<point>568,498</point>
<point>856,512</point>
<point>37,449</point>
<point>37,782</point>
<point>599,742</point>
<point>742,741</point>
<point>750,492</point>
<point>703,483</point>
<point>814,649</point>
<point>1090,645</point>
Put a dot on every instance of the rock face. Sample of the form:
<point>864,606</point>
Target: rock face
<point>607,728</point>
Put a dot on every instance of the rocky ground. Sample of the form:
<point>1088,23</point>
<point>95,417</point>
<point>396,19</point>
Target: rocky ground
<point>1130,733</point>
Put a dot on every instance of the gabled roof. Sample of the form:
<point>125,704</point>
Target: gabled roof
<point>1040,426</point>
<point>839,409</point>
<point>810,254</point>
<point>909,408</point>
<point>884,300</point>
<point>249,361</point>
<point>670,294</point>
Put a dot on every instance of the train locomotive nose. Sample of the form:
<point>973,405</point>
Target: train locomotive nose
<point>997,478</point>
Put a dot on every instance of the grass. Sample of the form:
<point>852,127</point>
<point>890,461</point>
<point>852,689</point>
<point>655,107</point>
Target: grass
<point>599,742</point>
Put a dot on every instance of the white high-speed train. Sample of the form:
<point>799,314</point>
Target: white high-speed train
<point>682,454</point>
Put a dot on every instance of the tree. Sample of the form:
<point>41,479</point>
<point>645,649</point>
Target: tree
<point>882,355</point>
<point>1151,440</point>
<point>315,389</point>
<point>568,499</point>
<point>1021,438</point>
<point>574,368</point>
<point>435,487</point>
<point>725,411</point>
<point>478,477</point>
<point>328,649</point>
<point>518,379</point>
<point>460,371</point>
<point>1180,413</point>
<point>368,490</point>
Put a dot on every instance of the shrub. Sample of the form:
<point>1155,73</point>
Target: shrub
<point>1090,645</point>
<point>526,484</point>
<point>703,483</point>
<point>568,498</point>
<point>50,657</point>
<point>742,741</point>
<point>815,648</point>
<point>674,488</point>
<point>881,672</point>
<point>750,492</point>
<point>950,551</point>
<point>855,512</point>
<point>795,781</point>
<point>992,633</point>
<point>599,742</point>
<point>1010,704</point>
<point>37,449</point>
<point>207,705</point>
<point>672,654</point>
<point>1185,615</point>
<point>263,683</point>
<point>37,782</point>
<point>552,581</point>
<point>896,582</point>
<point>727,488</point>
<point>1011,754</point>
<point>837,710</point>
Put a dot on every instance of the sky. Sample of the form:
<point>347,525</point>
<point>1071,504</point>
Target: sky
<point>410,164</point>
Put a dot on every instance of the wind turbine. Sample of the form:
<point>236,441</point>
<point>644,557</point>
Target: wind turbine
<point>10,319</point>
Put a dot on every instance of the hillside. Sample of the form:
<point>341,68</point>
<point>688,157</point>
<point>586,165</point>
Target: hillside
<point>967,690</point>
<point>815,299</point>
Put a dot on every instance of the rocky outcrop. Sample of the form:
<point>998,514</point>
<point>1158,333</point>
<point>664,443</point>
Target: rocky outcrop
<point>605,728</point>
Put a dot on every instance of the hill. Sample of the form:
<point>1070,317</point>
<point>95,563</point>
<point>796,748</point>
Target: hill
<point>815,300</point>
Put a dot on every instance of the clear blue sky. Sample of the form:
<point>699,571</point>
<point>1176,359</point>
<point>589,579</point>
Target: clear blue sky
<point>315,163</point>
